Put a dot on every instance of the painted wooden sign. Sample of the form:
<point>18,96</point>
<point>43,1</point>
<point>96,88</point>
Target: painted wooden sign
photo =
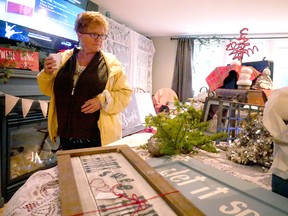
<point>217,193</point>
<point>115,181</point>
<point>19,59</point>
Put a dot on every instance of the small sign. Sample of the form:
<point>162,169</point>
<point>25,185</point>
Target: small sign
<point>10,58</point>
<point>133,116</point>
<point>130,115</point>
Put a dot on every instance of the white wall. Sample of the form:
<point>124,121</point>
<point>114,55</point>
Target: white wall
<point>163,62</point>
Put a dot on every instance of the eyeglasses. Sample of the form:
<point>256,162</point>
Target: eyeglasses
<point>96,36</point>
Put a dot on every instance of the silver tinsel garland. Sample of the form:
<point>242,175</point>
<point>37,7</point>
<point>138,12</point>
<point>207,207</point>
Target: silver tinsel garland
<point>254,144</point>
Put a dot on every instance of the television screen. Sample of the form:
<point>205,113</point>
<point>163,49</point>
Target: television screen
<point>44,23</point>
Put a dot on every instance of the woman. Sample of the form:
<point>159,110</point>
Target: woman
<point>88,91</point>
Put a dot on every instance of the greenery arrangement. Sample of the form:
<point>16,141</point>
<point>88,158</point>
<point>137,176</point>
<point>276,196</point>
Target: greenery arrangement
<point>181,132</point>
<point>24,48</point>
<point>6,71</point>
<point>254,144</point>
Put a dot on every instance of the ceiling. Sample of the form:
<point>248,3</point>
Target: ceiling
<point>155,18</point>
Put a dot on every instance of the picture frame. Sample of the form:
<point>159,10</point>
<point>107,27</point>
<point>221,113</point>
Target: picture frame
<point>115,164</point>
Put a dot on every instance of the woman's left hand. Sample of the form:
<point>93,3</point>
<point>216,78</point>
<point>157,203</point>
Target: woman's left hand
<point>91,106</point>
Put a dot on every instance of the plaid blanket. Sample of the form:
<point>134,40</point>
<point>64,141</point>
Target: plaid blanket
<point>216,78</point>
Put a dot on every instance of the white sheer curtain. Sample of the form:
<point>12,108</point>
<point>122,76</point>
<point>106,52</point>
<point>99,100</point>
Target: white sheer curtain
<point>134,51</point>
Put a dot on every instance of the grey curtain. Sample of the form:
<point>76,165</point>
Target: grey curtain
<point>182,78</point>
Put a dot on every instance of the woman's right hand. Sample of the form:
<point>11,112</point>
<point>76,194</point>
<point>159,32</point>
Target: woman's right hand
<point>50,65</point>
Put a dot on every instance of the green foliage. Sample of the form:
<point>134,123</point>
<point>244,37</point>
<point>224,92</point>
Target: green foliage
<point>25,47</point>
<point>42,57</point>
<point>182,132</point>
<point>6,70</point>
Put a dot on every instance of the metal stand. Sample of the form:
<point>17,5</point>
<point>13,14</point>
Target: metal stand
<point>231,114</point>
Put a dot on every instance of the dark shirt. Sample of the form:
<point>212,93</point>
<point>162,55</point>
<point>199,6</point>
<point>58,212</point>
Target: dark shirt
<point>72,123</point>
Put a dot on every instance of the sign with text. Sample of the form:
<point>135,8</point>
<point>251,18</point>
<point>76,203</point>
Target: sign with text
<point>130,115</point>
<point>10,58</point>
<point>133,116</point>
<point>217,193</point>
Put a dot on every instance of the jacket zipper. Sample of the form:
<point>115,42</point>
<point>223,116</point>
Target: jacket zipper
<point>73,89</point>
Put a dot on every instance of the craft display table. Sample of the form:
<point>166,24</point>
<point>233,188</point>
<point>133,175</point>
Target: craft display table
<point>213,191</point>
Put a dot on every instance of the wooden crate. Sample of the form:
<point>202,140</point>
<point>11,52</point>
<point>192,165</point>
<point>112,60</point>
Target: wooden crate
<point>115,181</point>
<point>256,97</point>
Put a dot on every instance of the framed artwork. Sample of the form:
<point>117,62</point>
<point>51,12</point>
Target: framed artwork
<point>115,181</point>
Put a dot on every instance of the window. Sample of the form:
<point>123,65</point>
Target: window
<point>213,54</point>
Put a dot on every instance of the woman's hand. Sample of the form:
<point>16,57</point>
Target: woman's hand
<point>50,65</point>
<point>91,106</point>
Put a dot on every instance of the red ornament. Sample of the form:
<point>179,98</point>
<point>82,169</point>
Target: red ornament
<point>239,48</point>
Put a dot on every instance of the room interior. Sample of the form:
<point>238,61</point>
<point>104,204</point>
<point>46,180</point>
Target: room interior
<point>158,25</point>
<point>166,20</point>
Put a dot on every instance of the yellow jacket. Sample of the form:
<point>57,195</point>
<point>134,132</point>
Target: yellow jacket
<point>114,99</point>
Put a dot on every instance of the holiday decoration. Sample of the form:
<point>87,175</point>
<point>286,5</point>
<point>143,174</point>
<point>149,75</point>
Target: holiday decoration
<point>6,70</point>
<point>181,132</point>
<point>264,81</point>
<point>240,48</point>
<point>244,80</point>
<point>254,144</point>
<point>11,101</point>
<point>23,59</point>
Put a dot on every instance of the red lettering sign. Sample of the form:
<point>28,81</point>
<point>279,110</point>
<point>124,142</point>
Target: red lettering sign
<point>10,58</point>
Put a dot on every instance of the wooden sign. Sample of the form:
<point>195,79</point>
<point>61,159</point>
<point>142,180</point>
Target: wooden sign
<point>11,58</point>
<point>115,181</point>
<point>215,192</point>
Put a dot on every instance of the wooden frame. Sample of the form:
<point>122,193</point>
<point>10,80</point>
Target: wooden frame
<point>70,193</point>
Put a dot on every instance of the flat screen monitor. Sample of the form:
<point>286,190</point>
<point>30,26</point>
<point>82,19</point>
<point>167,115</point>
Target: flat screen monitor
<point>44,23</point>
